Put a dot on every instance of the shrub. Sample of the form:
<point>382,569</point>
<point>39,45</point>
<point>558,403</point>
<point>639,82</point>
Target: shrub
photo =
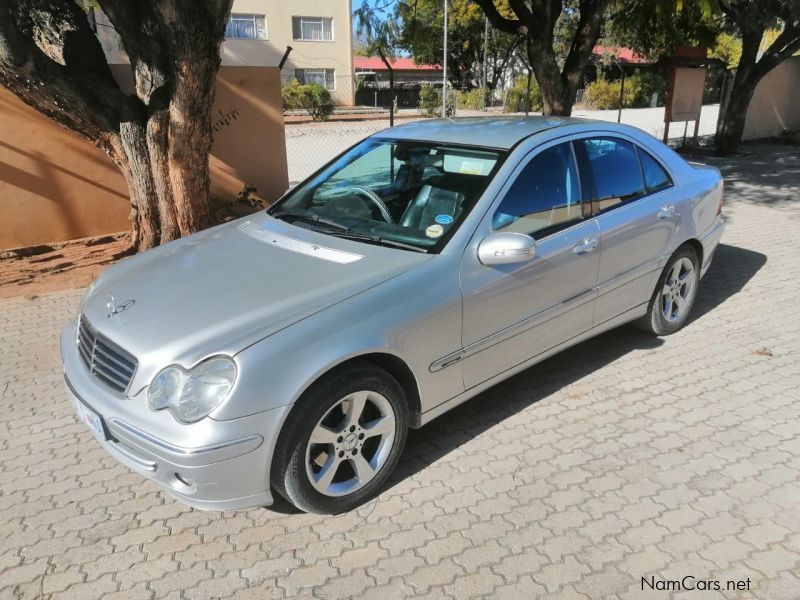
<point>639,88</point>
<point>515,96</point>
<point>476,99</point>
<point>602,94</point>
<point>430,101</point>
<point>653,83</point>
<point>312,97</point>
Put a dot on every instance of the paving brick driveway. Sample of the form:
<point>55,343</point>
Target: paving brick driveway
<point>621,458</point>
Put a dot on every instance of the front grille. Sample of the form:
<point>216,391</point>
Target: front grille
<point>105,360</point>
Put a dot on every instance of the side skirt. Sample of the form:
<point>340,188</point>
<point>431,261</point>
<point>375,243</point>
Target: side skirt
<point>437,411</point>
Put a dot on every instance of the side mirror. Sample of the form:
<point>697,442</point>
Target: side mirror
<point>506,248</point>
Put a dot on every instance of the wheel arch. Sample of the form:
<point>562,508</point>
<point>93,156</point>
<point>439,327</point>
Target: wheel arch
<point>697,246</point>
<point>391,363</point>
<point>394,366</point>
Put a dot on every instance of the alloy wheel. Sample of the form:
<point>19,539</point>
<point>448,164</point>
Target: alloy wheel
<point>350,443</point>
<point>678,291</point>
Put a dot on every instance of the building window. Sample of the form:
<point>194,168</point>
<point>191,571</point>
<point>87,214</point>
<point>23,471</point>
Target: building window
<point>312,29</point>
<point>246,27</point>
<point>324,77</point>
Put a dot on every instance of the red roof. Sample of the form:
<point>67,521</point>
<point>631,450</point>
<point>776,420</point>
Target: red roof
<point>374,63</point>
<point>623,55</point>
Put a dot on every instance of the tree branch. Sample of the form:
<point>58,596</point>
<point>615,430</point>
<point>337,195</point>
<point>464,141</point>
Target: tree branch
<point>586,34</point>
<point>70,82</point>
<point>498,21</point>
<point>143,33</point>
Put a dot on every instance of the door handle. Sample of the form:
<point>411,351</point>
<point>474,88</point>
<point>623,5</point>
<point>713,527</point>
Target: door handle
<point>666,211</point>
<point>585,246</point>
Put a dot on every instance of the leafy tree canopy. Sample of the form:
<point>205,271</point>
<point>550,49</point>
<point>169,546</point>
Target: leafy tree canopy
<point>421,31</point>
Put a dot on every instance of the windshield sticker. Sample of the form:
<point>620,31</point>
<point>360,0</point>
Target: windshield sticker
<point>471,167</point>
<point>434,231</point>
<point>443,219</point>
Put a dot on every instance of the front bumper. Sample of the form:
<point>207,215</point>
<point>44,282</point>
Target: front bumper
<point>209,465</point>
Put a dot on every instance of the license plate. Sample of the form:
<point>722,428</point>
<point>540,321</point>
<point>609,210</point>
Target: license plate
<point>93,420</point>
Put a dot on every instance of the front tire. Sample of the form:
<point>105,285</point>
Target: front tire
<point>342,440</point>
<point>673,298</point>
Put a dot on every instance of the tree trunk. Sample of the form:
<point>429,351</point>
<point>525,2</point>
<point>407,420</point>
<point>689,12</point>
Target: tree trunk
<point>157,147</point>
<point>134,161</point>
<point>731,124</point>
<point>159,138</point>
<point>555,96</point>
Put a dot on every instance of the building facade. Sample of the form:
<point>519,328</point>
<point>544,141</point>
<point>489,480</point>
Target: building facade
<point>258,33</point>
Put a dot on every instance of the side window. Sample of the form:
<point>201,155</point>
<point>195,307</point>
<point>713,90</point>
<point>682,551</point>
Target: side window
<point>546,195</point>
<point>615,171</point>
<point>655,177</point>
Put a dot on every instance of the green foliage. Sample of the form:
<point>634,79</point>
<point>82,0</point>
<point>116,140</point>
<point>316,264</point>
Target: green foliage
<point>476,99</point>
<point>375,30</point>
<point>727,48</point>
<point>656,27</point>
<point>311,97</point>
<point>421,29</point>
<point>361,48</point>
<point>603,94</point>
<point>430,101</point>
<point>651,83</point>
<point>515,96</point>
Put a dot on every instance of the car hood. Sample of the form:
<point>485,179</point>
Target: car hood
<point>227,287</point>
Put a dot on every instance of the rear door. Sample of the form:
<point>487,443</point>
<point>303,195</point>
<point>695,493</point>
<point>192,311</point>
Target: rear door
<point>636,206</point>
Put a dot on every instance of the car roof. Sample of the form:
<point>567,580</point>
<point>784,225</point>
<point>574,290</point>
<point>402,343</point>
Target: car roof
<point>489,132</point>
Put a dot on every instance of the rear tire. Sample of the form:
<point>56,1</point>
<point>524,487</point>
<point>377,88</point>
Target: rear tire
<point>674,295</point>
<point>342,440</point>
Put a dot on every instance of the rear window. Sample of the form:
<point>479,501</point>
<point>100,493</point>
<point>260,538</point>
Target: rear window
<point>615,170</point>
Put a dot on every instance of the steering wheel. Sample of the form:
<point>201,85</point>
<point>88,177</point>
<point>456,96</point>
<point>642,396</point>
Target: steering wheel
<point>375,199</point>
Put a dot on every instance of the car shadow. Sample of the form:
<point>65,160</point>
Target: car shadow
<point>729,273</point>
<point>731,269</point>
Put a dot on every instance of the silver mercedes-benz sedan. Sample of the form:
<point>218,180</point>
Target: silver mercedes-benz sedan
<point>290,351</point>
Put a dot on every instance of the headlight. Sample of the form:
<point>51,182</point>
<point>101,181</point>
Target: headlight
<point>191,395</point>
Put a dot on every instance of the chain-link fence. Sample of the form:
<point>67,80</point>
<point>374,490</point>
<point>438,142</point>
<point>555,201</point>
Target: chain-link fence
<point>310,144</point>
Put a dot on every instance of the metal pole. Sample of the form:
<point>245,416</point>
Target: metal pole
<point>485,43</point>
<point>389,68</point>
<point>444,65</point>
<point>621,88</point>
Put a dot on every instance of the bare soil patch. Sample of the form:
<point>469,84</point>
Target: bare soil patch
<point>59,266</point>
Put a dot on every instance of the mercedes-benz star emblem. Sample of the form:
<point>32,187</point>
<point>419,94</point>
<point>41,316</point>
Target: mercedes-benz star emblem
<point>114,308</point>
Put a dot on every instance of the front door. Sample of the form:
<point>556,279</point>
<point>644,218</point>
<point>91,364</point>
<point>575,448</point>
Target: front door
<point>515,312</point>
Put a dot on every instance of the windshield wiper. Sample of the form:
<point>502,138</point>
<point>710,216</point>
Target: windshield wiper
<point>343,231</point>
<point>376,239</point>
<point>310,218</point>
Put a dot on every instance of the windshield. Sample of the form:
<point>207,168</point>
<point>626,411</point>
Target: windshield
<point>399,193</point>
